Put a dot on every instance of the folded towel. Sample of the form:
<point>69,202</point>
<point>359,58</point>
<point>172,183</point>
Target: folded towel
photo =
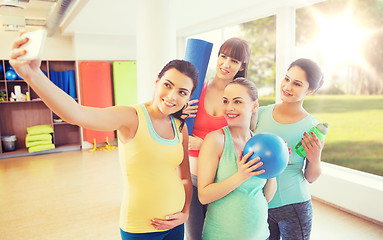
<point>37,143</point>
<point>39,137</point>
<point>38,129</point>
<point>41,148</point>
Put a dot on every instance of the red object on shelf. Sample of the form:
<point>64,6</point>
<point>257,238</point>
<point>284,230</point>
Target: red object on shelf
<point>96,91</point>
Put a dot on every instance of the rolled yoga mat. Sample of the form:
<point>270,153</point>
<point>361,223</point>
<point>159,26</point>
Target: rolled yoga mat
<point>198,53</point>
<point>96,91</point>
<point>125,83</point>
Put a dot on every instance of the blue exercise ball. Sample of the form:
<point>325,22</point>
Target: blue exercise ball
<point>10,75</point>
<point>272,150</point>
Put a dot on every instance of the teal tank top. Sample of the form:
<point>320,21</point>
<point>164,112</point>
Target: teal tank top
<point>242,214</point>
<point>292,185</point>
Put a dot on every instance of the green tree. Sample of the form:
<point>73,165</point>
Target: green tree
<point>260,35</point>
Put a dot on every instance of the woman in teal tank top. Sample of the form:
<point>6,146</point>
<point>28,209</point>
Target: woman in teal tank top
<point>290,211</point>
<point>237,199</point>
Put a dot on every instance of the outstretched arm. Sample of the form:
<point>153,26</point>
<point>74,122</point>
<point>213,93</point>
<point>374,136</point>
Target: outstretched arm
<point>62,104</point>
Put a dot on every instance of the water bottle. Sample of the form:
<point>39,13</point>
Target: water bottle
<point>320,130</point>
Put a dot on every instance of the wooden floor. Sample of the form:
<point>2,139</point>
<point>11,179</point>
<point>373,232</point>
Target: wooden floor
<point>76,195</point>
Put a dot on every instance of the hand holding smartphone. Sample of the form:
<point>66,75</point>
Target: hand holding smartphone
<point>35,44</point>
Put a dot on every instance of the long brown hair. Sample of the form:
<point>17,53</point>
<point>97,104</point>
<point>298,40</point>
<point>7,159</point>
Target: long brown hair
<point>238,49</point>
<point>189,70</point>
<point>313,72</point>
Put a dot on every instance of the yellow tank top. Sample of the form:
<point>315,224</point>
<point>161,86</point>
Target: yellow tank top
<point>152,187</point>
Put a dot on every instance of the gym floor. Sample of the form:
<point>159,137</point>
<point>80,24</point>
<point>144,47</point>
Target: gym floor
<point>76,195</point>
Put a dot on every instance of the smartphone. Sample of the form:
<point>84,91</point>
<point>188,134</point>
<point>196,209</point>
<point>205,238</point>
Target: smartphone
<point>35,45</point>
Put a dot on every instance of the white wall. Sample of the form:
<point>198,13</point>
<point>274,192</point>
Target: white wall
<point>104,47</point>
<point>56,48</point>
<point>354,191</point>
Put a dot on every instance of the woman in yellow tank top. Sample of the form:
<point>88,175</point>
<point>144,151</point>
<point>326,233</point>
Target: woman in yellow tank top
<point>153,145</point>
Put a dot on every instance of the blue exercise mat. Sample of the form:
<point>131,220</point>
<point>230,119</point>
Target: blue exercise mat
<point>65,81</point>
<point>53,75</point>
<point>71,84</point>
<point>198,53</point>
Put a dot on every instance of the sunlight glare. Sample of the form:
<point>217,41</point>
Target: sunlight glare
<point>341,39</point>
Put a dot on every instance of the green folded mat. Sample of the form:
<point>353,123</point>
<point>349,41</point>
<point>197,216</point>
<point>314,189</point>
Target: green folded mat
<point>37,143</point>
<point>41,148</point>
<point>39,137</point>
<point>38,129</point>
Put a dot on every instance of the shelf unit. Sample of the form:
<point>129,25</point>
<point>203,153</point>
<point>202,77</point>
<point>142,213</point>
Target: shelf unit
<point>16,116</point>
